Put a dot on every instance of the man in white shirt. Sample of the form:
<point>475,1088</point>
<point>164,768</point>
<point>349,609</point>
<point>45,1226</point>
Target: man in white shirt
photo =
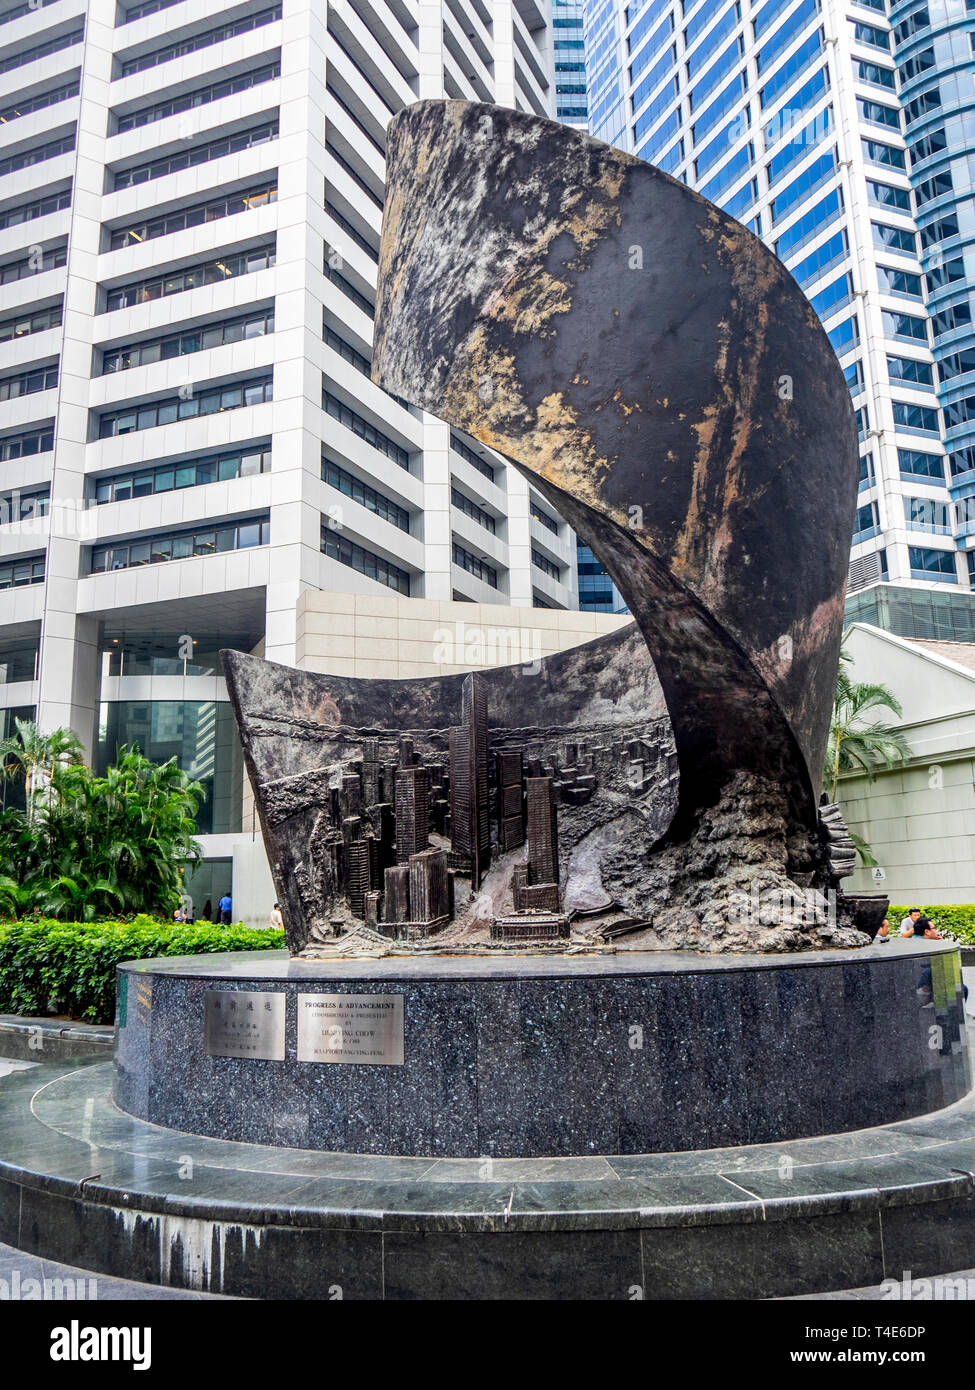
<point>907,926</point>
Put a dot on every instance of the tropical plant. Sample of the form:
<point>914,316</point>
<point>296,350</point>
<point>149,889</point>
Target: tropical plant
<point>857,742</point>
<point>29,756</point>
<point>91,846</point>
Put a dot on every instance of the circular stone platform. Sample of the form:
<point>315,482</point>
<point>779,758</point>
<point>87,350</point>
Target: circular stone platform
<point>540,1056</point>
<point>82,1183</point>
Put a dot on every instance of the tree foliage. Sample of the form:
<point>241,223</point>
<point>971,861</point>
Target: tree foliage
<point>90,846</point>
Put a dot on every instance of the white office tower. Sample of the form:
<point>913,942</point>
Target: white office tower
<point>832,128</point>
<point>190,208</point>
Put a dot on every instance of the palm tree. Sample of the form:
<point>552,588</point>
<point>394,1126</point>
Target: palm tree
<point>30,756</point>
<point>858,743</point>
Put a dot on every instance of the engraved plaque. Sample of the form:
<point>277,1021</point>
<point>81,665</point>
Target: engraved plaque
<point>245,1023</point>
<point>364,1029</point>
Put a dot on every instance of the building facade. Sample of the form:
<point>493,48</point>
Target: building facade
<point>190,207</point>
<point>838,131</point>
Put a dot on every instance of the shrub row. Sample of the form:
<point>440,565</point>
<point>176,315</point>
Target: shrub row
<point>72,964</point>
<point>958,918</point>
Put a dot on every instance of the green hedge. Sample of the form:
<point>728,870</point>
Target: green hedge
<point>74,963</point>
<point>957,918</point>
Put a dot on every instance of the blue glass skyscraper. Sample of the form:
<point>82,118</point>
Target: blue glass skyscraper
<point>840,134</point>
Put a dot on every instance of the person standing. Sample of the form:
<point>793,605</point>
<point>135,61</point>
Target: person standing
<point>226,906</point>
<point>883,932</point>
<point>910,922</point>
<point>276,918</point>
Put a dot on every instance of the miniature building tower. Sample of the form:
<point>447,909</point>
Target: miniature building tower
<point>511,810</point>
<point>543,831</point>
<point>470,811</point>
<point>412,810</point>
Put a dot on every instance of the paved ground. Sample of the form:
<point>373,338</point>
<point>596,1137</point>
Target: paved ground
<point>6,1067</point>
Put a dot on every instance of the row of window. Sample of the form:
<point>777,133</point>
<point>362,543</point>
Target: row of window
<point>367,496</point>
<point>39,439</point>
<point>190,340</point>
<point>474,565</point>
<point>202,96</point>
<point>28,383</point>
<point>469,455</point>
<point>39,101</point>
<point>546,565</point>
<point>191,278</point>
<point>179,546</point>
<point>171,408</point>
<point>348,552</point>
<point>37,322</point>
<point>347,287</point>
<point>29,212</point>
<point>22,506</point>
<point>17,573</point>
<point>23,159</point>
<point>42,50</point>
<point>206,39</point>
<point>200,154</point>
<point>195,216</point>
<point>464,504</point>
<point>169,477</point>
<point>364,430</point>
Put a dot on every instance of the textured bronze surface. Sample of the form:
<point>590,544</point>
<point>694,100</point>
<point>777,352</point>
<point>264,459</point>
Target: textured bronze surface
<point>660,377</point>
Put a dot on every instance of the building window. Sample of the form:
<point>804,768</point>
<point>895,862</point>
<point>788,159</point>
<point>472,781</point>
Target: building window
<point>347,287</point>
<point>29,212</point>
<point>210,401</point>
<point>474,565</point>
<point>16,574</point>
<point>546,565</point>
<point>910,369</point>
<point>866,523</point>
<point>542,516</point>
<point>168,223</point>
<point>38,322</point>
<point>893,239</point>
<point>42,50</point>
<point>362,429</point>
<point>198,154</point>
<point>190,340</point>
<point>938,565</point>
<point>146,115</point>
<point>904,326</point>
<point>917,419</point>
<point>190,45</point>
<point>915,464</point>
<point>28,383</point>
<point>37,154</point>
<point>22,506</point>
<point>368,497</point>
<point>347,552</point>
<point>21,270</point>
<point>209,273</point>
<point>464,504</point>
<point>39,101</point>
<point>469,456</point>
<point>927,514</point>
<point>181,545</point>
<point>38,439</point>
<point>179,473</point>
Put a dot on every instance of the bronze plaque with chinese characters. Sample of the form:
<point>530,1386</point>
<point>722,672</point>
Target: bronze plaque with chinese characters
<point>365,1029</point>
<point>245,1023</point>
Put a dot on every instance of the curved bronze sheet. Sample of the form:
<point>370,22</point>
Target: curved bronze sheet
<point>659,376</point>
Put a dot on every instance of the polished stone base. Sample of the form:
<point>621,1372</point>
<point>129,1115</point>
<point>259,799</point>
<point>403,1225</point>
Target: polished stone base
<point>84,1184</point>
<point>555,1056</point>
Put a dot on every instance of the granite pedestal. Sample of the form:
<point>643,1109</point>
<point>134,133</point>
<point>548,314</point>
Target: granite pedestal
<point>537,1056</point>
